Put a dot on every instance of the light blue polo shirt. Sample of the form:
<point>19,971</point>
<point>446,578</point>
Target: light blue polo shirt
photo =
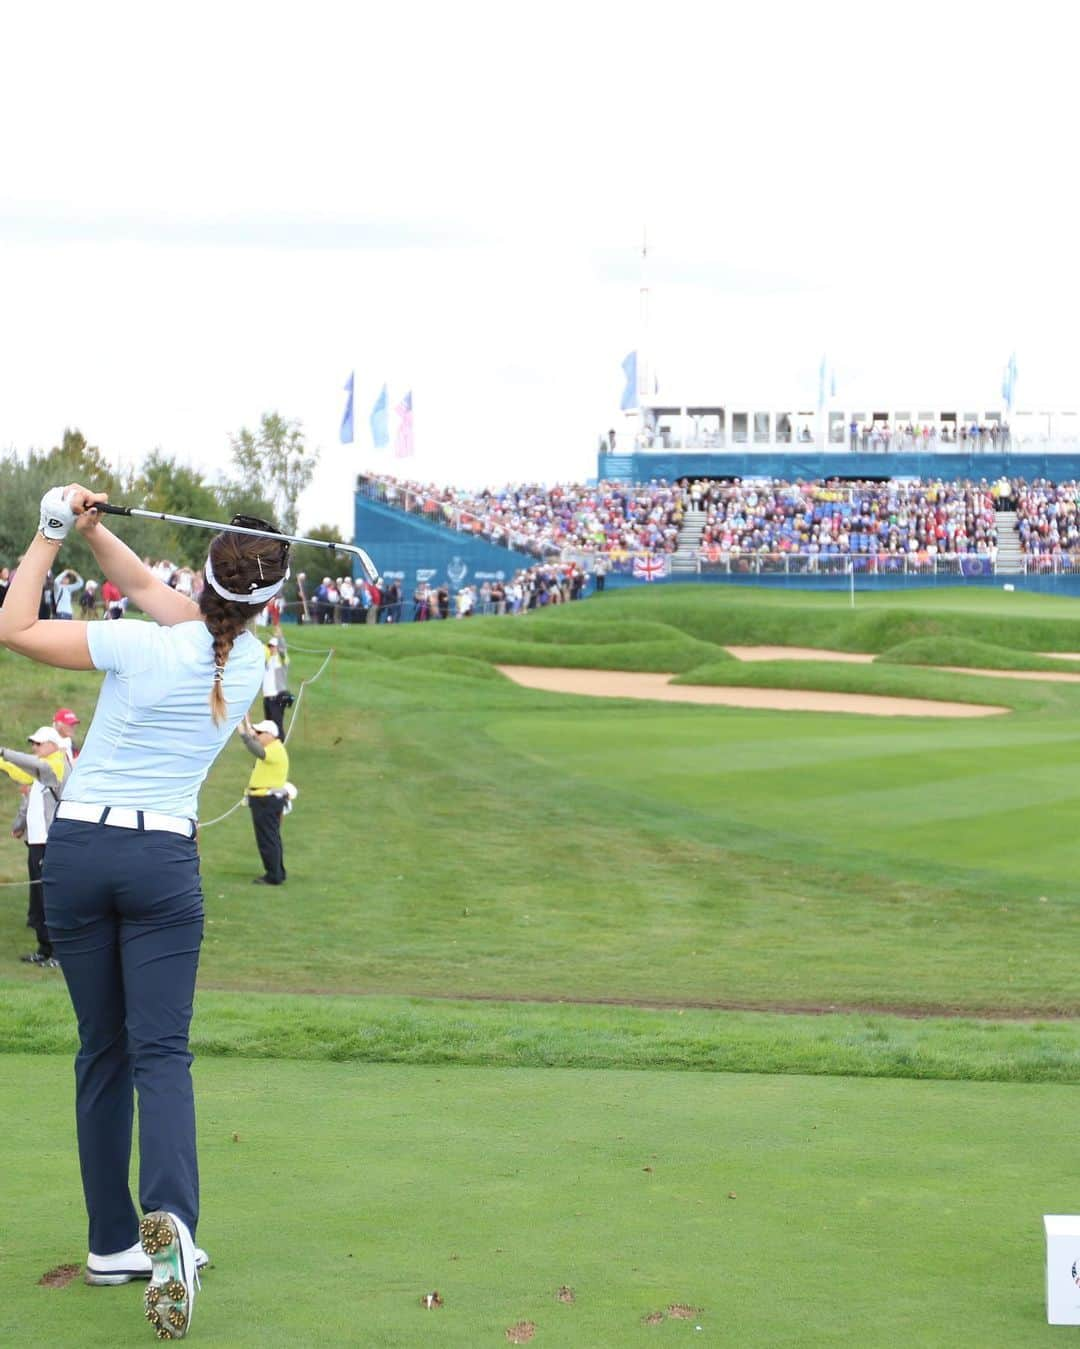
<point>152,740</point>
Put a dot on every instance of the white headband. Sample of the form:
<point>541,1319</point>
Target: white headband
<point>259,596</point>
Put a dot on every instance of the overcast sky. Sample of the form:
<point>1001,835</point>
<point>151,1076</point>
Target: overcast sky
<point>212,210</point>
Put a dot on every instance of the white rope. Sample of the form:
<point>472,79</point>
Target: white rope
<point>308,650</point>
<point>205,824</point>
<point>11,885</point>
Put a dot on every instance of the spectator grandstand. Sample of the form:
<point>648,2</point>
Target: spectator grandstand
<point>1048,519</point>
<point>856,518</point>
<point>762,525</point>
<point>546,521</point>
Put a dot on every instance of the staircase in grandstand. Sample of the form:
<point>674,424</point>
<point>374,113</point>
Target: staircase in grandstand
<point>1010,558</point>
<point>685,557</point>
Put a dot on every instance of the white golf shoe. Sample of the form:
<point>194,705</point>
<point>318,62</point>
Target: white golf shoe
<point>170,1298</point>
<point>108,1270</point>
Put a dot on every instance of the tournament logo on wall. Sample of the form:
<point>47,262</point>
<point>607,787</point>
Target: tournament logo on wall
<point>457,571</point>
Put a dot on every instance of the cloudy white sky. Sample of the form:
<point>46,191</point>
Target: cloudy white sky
<point>211,210</point>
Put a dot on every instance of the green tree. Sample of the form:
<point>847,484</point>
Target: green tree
<point>165,485</point>
<point>274,462</point>
<point>312,564</point>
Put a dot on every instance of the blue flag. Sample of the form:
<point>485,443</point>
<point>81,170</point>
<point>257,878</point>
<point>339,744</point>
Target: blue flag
<point>630,395</point>
<point>347,418</point>
<point>1010,383</point>
<point>380,422</point>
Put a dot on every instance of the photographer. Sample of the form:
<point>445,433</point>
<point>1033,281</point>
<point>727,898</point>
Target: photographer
<point>276,696</point>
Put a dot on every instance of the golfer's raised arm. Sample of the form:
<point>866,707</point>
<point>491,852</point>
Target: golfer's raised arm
<point>125,569</point>
<point>44,640</point>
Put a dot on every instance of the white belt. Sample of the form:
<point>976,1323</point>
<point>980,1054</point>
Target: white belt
<point>124,817</point>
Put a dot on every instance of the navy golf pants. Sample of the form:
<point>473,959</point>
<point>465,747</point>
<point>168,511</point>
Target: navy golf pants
<point>125,912</point>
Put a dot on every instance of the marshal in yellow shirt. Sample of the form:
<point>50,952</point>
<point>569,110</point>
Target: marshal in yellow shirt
<point>272,773</point>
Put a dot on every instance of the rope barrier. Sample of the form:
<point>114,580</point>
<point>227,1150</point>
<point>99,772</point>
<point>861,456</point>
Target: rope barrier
<point>10,885</point>
<point>205,824</point>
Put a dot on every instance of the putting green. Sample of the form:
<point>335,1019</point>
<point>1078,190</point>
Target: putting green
<point>789,1210</point>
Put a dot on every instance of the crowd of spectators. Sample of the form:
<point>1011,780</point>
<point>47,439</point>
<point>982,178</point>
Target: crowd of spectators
<point>881,437</point>
<point>1048,518</point>
<point>536,587</point>
<point>545,521</point>
<point>924,519</point>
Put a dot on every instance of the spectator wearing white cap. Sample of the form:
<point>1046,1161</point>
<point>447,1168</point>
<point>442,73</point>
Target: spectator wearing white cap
<point>267,795</point>
<point>276,696</point>
<point>47,767</point>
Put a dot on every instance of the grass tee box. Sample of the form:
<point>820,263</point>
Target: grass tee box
<point>822,1213</point>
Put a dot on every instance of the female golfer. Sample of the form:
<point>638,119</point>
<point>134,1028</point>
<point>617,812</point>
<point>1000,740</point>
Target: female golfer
<point>123,900</point>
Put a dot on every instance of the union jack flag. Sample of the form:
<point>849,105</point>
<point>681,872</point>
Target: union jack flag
<point>403,441</point>
<point>649,568</point>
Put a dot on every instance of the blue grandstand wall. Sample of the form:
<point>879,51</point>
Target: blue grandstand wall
<point>809,463</point>
<point>1068,585</point>
<point>410,549</point>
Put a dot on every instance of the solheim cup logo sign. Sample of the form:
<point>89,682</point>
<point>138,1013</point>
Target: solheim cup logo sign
<point>457,571</point>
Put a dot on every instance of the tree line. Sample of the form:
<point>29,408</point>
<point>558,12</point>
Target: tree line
<point>269,469</point>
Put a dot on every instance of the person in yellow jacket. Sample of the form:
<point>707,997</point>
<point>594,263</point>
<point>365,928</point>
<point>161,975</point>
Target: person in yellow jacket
<point>44,771</point>
<point>267,795</point>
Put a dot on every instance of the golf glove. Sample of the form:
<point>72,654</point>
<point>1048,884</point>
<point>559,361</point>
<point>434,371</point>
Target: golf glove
<point>57,517</point>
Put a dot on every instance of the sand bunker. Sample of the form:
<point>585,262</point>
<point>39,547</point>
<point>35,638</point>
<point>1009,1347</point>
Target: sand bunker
<point>1047,676</point>
<point>752,653</point>
<point>797,653</point>
<point>658,688</point>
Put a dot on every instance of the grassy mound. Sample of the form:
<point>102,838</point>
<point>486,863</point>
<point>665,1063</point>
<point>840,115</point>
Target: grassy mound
<point>880,621</point>
<point>607,644</point>
<point>976,655</point>
<point>448,663</point>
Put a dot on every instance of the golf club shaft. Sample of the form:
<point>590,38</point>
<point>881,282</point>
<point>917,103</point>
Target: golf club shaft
<point>370,570</point>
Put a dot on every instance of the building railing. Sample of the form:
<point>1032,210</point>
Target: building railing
<point>879,442</point>
<point>1063,564</point>
<point>843,564</point>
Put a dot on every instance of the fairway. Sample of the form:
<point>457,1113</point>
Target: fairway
<point>788,1210</point>
<point>495,986</point>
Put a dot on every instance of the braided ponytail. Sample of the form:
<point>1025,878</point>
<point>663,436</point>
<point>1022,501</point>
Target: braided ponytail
<point>226,622</point>
<point>241,563</point>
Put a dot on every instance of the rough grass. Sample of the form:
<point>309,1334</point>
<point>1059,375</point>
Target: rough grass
<point>563,1035</point>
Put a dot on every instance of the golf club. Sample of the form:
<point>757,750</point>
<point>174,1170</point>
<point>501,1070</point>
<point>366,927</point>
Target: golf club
<point>371,572</point>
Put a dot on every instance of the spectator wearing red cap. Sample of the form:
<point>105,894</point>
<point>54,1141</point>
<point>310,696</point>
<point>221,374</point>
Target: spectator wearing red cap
<point>64,722</point>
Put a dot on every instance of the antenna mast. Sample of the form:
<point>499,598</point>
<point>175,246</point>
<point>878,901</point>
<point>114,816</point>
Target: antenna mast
<point>644,378</point>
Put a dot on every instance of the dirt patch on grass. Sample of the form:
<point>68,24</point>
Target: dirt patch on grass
<point>521,1333</point>
<point>59,1277</point>
<point>658,688</point>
